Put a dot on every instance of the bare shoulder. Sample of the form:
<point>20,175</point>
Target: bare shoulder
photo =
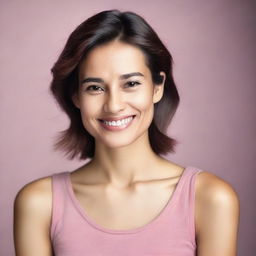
<point>32,218</point>
<point>213,189</point>
<point>215,199</point>
<point>35,197</point>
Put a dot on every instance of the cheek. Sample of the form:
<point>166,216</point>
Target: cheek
<point>142,101</point>
<point>89,107</point>
<point>89,110</point>
<point>144,104</point>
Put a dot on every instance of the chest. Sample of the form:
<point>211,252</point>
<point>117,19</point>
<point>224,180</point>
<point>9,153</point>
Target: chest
<point>125,208</point>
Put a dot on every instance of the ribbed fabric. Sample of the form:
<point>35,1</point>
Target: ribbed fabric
<point>172,232</point>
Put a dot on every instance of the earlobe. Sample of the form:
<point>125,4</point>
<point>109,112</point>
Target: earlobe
<point>76,100</point>
<point>159,89</point>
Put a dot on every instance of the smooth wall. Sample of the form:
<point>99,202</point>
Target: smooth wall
<point>212,43</point>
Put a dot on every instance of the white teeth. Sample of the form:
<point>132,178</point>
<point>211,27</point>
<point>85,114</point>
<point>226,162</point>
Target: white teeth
<point>119,122</point>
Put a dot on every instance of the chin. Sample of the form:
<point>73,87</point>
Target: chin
<point>117,143</point>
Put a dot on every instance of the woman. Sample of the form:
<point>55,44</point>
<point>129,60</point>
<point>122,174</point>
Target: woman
<point>114,81</point>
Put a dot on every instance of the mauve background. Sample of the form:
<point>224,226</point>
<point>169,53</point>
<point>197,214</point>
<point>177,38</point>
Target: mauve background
<point>212,43</point>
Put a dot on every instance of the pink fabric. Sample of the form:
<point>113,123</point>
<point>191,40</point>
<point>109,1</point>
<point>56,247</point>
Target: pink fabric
<point>172,232</point>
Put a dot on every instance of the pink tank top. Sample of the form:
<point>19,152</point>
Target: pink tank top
<point>171,233</point>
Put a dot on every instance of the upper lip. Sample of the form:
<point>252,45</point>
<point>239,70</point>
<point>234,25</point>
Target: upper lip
<point>115,118</point>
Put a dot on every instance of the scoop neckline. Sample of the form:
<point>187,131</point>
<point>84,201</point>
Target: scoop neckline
<point>155,220</point>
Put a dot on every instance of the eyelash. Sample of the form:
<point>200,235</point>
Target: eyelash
<point>95,86</point>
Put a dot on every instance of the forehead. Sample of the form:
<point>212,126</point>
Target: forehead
<point>114,57</point>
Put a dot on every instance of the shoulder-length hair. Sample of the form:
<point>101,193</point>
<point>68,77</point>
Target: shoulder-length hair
<point>101,28</point>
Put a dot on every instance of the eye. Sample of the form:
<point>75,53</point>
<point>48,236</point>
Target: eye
<point>133,83</point>
<point>94,88</point>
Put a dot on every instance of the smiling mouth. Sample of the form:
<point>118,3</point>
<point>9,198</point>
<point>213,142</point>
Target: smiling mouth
<point>115,119</point>
<point>119,122</point>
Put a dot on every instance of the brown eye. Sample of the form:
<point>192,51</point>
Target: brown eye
<point>93,88</point>
<point>133,83</point>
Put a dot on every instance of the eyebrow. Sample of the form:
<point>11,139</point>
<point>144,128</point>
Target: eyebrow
<point>99,80</point>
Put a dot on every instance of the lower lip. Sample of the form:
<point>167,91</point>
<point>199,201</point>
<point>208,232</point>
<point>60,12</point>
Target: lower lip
<point>116,128</point>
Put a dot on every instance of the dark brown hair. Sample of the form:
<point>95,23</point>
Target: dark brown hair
<point>104,27</point>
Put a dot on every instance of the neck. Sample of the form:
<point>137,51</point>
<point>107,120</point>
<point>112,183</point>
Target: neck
<point>125,165</point>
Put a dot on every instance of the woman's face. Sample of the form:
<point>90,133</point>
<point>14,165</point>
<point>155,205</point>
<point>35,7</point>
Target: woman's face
<point>116,94</point>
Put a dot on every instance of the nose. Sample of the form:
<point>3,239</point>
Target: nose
<point>114,102</point>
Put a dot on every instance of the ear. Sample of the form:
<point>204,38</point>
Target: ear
<point>75,100</point>
<point>159,89</point>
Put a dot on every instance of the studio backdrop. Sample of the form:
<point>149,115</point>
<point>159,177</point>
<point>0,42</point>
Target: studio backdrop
<point>213,47</point>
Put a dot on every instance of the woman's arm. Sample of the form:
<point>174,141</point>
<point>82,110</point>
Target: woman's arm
<point>32,215</point>
<point>217,216</point>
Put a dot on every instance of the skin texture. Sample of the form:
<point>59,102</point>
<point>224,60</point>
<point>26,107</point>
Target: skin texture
<point>121,177</point>
<point>217,216</point>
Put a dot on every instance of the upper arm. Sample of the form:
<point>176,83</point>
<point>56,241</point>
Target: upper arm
<point>32,214</point>
<point>217,216</point>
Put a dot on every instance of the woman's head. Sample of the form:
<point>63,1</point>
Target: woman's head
<point>116,94</point>
<point>96,33</point>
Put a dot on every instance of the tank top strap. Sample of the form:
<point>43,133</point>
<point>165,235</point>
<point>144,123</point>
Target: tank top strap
<point>59,194</point>
<point>186,197</point>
